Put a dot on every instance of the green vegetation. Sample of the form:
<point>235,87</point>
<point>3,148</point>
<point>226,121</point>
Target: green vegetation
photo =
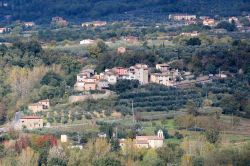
<point>158,98</point>
<point>76,9</point>
<point>203,123</point>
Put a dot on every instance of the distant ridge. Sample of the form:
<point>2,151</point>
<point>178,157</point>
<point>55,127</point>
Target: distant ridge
<point>41,11</point>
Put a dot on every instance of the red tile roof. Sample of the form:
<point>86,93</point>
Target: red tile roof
<point>141,141</point>
<point>31,117</point>
<point>148,138</point>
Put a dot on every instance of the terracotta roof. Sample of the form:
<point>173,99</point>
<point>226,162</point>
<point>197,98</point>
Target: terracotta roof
<point>31,117</point>
<point>141,141</point>
<point>148,138</point>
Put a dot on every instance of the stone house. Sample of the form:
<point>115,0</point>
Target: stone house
<point>121,50</point>
<point>90,86</point>
<point>41,105</point>
<point>162,78</point>
<point>94,24</point>
<point>209,22</point>
<point>155,141</point>
<point>182,17</point>
<point>141,73</point>
<point>29,122</point>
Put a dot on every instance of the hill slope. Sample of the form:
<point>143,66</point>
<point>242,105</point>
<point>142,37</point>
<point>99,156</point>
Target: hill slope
<point>41,11</point>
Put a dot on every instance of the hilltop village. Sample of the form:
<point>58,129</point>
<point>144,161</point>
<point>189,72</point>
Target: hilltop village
<point>135,88</point>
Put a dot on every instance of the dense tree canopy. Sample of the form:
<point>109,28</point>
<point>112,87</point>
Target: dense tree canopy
<point>41,11</point>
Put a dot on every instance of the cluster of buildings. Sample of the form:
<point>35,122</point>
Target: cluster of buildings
<point>190,34</point>
<point>236,21</point>
<point>192,19</point>
<point>94,24</point>
<point>4,30</point>
<point>187,18</point>
<point>182,17</point>
<point>31,122</point>
<point>24,24</point>
<point>29,24</point>
<point>155,141</point>
<point>205,20</point>
<point>167,76</point>
<point>88,79</point>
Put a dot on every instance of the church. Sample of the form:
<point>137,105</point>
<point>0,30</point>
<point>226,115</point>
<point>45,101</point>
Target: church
<point>155,141</point>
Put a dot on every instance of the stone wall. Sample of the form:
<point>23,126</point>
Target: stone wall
<point>106,95</point>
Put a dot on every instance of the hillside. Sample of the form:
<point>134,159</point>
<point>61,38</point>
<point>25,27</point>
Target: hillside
<point>41,11</point>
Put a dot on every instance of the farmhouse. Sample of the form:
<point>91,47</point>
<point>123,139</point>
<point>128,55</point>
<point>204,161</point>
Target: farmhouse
<point>90,86</point>
<point>35,107</point>
<point>162,67</point>
<point>87,42</point>
<point>59,21</point>
<point>147,141</point>
<point>39,106</point>
<point>162,78</point>
<point>181,17</point>
<point>29,122</point>
<point>94,24</point>
<point>29,24</point>
<point>110,76</point>
<point>3,30</point>
<point>121,50</point>
<point>190,34</point>
<point>209,22</point>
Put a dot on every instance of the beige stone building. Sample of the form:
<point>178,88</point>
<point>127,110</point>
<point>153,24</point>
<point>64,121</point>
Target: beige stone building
<point>141,73</point>
<point>209,22</point>
<point>45,103</point>
<point>162,67</point>
<point>87,80</point>
<point>155,141</point>
<point>121,50</point>
<point>162,78</point>
<point>94,24</point>
<point>35,107</point>
<point>190,34</point>
<point>182,17</point>
<point>29,122</point>
<point>41,105</point>
<point>90,86</point>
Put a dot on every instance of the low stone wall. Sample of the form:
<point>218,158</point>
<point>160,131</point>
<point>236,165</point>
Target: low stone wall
<point>106,95</point>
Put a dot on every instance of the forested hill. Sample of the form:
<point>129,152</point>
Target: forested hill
<point>41,11</point>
